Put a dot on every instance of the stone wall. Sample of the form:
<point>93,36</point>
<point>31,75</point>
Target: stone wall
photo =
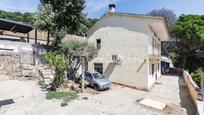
<point>10,64</point>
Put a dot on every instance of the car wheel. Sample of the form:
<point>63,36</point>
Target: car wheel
<point>96,87</point>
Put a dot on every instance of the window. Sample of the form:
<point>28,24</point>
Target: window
<point>152,42</point>
<point>98,43</point>
<point>89,75</point>
<point>152,69</point>
<point>97,75</point>
<point>98,67</point>
<point>114,57</point>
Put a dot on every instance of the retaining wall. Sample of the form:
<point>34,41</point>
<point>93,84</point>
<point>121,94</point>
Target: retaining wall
<point>192,86</point>
<point>10,64</point>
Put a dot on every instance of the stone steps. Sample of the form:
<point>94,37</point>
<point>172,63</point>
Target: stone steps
<point>46,74</point>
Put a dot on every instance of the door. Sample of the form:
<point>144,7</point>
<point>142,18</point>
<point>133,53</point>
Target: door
<point>98,67</point>
<point>89,78</point>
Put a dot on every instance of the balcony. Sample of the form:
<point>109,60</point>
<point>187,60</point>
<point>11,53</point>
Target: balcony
<point>154,58</point>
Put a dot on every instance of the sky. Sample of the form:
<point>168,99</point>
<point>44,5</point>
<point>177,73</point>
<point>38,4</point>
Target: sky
<point>96,8</point>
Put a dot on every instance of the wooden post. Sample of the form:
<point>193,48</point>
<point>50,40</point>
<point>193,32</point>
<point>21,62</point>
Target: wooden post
<point>28,37</point>
<point>83,72</point>
<point>36,35</point>
<point>48,37</point>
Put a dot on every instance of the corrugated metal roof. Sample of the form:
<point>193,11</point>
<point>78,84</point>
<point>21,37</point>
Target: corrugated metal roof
<point>14,26</point>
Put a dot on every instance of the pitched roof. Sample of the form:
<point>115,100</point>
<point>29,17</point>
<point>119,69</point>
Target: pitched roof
<point>131,15</point>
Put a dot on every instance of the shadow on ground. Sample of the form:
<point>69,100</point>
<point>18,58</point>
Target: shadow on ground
<point>6,102</point>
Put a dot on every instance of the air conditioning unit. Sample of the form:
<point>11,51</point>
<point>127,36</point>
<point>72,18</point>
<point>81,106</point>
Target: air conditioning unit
<point>116,58</point>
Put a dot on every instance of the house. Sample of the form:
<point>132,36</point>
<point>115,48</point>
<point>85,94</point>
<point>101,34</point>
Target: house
<point>129,48</point>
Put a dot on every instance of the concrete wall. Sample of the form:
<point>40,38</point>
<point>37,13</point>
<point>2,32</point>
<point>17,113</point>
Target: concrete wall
<point>132,47</point>
<point>191,85</point>
<point>24,49</point>
<point>122,34</point>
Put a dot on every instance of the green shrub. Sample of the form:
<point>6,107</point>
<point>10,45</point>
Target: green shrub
<point>60,63</point>
<point>55,83</point>
<point>196,76</point>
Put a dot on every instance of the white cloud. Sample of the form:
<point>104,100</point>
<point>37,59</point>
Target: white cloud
<point>93,6</point>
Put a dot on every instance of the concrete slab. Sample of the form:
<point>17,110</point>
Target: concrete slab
<point>153,104</point>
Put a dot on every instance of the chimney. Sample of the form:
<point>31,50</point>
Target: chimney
<point>112,8</point>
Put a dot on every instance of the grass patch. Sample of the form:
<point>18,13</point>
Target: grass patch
<point>65,96</point>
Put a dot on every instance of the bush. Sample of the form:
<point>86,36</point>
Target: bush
<point>196,76</point>
<point>55,83</point>
<point>60,63</point>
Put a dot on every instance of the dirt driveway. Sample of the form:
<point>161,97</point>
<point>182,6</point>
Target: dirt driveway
<point>29,99</point>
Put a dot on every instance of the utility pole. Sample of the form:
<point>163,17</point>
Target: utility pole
<point>83,72</point>
<point>36,36</point>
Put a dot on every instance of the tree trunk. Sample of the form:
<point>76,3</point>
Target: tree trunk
<point>184,60</point>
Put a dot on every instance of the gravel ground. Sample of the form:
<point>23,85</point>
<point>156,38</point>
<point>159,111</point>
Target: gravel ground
<point>30,100</point>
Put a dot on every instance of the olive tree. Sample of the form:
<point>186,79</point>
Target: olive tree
<point>74,50</point>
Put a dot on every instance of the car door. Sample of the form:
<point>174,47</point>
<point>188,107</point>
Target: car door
<point>89,78</point>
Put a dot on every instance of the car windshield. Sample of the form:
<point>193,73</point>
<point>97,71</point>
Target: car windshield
<point>97,75</point>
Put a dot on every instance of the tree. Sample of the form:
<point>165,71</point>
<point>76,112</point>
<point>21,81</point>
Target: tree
<point>28,18</point>
<point>189,34</point>
<point>60,17</point>
<point>73,50</point>
<point>78,53</point>
<point>44,19</point>
<point>91,22</point>
<point>69,14</point>
<point>18,16</point>
<point>169,15</point>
